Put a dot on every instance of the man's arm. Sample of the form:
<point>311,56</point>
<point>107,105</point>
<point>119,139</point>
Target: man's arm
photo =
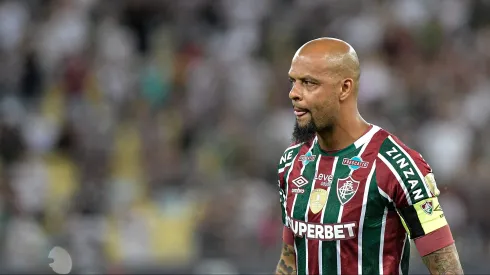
<point>287,262</point>
<point>443,261</point>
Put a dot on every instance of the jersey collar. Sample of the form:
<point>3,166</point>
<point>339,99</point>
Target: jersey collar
<point>351,148</point>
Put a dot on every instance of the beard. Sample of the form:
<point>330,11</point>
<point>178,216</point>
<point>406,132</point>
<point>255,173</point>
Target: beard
<point>304,133</point>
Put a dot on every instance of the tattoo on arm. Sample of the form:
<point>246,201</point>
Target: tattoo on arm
<point>287,263</point>
<point>444,261</point>
<point>283,267</point>
<point>287,250</point>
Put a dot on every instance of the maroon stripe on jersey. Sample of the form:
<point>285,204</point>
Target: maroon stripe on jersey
<point>393,244</point>
<point>313,266</point>
<point>352,210</point>
<point>295,168</point>
<point>281,178</point>
<point>325,168</point>
<point>389,184</point>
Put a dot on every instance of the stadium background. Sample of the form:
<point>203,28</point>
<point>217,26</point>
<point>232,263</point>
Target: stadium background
<point>143,136</point>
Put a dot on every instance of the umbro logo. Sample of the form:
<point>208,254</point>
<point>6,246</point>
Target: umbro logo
<point>300,181</point>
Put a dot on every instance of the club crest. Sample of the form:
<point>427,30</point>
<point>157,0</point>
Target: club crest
<point>427,207</point>
<point>346,189</point>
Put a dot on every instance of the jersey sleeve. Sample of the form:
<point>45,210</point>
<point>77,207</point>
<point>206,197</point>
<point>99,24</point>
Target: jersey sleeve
<point>282,200</point>
<point>287,233</point>
<point>284,165</point>
<point>407,180</point>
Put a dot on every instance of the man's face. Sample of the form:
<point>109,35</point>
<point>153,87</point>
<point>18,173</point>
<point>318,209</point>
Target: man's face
<point>313,94</point>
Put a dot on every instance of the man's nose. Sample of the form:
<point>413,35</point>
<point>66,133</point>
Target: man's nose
<point>295,93</point>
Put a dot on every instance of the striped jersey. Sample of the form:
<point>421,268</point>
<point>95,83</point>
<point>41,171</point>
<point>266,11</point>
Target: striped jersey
<point>354,211</point>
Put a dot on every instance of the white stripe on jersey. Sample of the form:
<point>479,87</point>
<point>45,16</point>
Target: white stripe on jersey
<point>339,262</point>
<point>382,193</point>
<point>366,138</point>
<point>294,146</point>
<point>285,166</point>
<point>382,241</point>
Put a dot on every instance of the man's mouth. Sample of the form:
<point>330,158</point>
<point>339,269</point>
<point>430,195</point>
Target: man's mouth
<point>300,112</point>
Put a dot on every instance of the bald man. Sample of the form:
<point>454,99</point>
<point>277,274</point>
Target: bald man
<point>352,194</point>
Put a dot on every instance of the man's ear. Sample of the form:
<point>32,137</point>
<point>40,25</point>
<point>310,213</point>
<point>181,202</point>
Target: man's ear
<point>347,88</point>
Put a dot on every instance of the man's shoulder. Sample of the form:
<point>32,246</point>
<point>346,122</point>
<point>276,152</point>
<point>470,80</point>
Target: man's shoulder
<point>289,154</point>
<point>392,143</point>
<point>291,151</point>
<point>397,157</point>
<point>400,165</point>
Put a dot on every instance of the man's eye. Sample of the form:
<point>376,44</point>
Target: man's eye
<point>308,83</point>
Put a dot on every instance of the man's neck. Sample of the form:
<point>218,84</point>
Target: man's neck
<point>342,134</point>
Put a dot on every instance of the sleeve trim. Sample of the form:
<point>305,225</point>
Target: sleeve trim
<point>434,241</point>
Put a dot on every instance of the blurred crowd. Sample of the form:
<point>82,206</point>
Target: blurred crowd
<point>144,135</point>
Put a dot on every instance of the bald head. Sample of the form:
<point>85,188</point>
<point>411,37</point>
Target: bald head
<point>339,57</point>
<point>324,75</point>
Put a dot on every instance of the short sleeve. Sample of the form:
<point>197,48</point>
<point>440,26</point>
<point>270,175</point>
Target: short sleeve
<point>283,167</point>
<point>287,234</point>
<point>407,180</point>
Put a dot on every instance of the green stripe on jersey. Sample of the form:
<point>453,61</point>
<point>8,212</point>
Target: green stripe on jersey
<point>299,212</point>
<point>404,166</point>
<point>406,257</point>
<point>332,209</point>
<point>371,230</point>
